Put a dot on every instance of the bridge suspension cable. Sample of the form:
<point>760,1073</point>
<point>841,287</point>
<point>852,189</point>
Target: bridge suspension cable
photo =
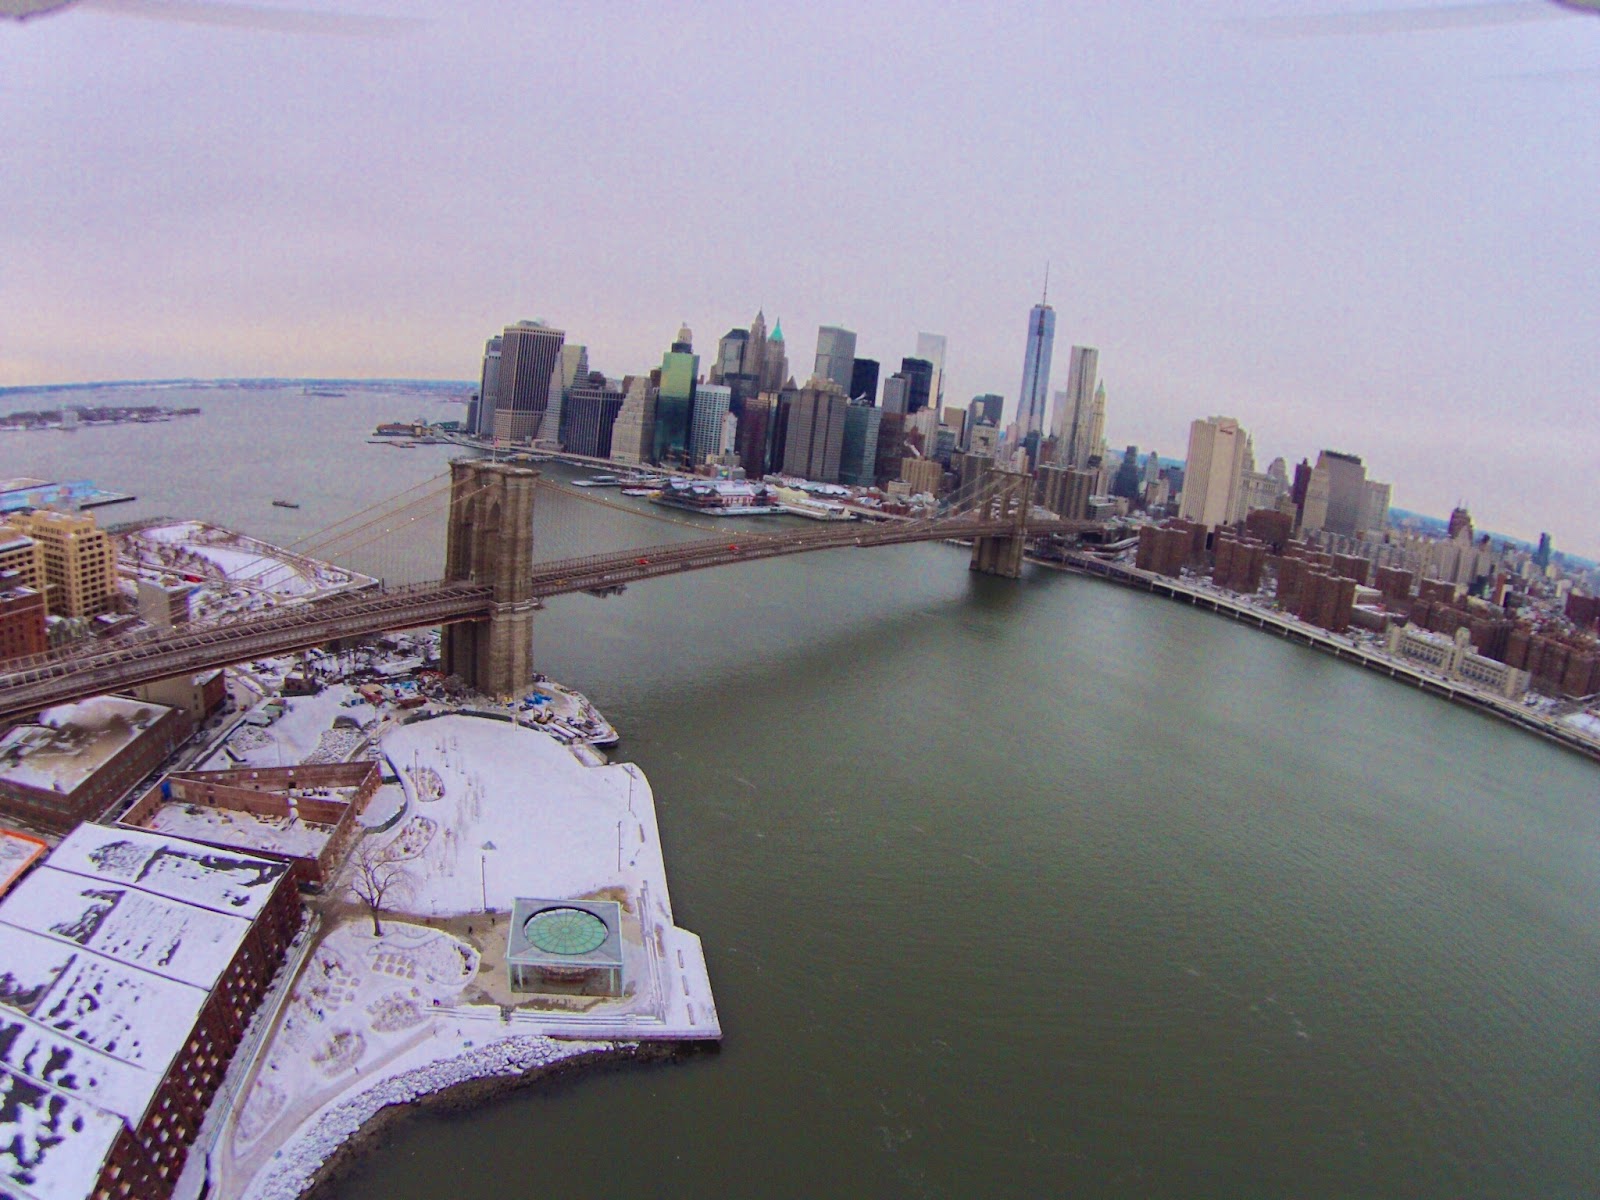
<point>427,505</point>
<point>327,531</point>
<point>972,495</point>
<point>323,546</point>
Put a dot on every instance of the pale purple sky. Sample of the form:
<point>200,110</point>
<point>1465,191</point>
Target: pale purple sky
<point>1384,243</point>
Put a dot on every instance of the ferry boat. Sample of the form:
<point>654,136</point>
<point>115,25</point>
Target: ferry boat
<point>285,504</point>
<point>597,481</point>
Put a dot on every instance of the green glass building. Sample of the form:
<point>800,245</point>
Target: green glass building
<point>680,368</point>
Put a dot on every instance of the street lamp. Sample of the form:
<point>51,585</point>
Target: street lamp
<point>483,872</point>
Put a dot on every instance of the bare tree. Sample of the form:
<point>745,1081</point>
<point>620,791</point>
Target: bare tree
<point>379,875</point>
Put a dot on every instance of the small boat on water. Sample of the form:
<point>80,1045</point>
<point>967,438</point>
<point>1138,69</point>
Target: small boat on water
<point>285,504</point>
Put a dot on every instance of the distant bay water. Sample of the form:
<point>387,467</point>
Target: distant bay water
<point>1014,889</point>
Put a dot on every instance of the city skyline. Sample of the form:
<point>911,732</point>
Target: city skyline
<point>1364,224</point>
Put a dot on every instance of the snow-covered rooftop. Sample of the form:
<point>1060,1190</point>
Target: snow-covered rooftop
<point>50,1144</point>
<point>88,1026</point>
<point>180,941</point>
<point>17,853</point>
<point>225,881</point>
<point>237,558</point>
<point>235,827</point>
<point>108,953</point>
<point>73,741</point>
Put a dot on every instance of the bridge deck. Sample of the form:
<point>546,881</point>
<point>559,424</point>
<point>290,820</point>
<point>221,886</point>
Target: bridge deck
<point>61,677</point>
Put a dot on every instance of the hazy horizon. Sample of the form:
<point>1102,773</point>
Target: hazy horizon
<point>1378,243</point>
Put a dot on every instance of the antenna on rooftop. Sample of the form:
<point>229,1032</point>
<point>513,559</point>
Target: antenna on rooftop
<point>1045,299</point>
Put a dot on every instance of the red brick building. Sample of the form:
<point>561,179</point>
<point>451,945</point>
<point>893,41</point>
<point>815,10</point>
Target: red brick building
<point>80,758</point>
<point>1396,584</point>
<point>22,627</point>
<point>1352,566</point>
<point>1240,564</point>
<point>1326,600</point>
<point>305,815</point>
<point>1270,526</point>
<point>1583,611</point>
<point>136,962</point>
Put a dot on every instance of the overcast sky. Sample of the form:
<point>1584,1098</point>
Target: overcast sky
<point>1385,243</point>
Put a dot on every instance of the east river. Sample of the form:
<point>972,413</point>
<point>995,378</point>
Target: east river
<point>1038,888</point>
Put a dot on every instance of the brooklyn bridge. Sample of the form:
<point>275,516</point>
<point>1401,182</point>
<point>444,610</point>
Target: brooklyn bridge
<point>493,584</point>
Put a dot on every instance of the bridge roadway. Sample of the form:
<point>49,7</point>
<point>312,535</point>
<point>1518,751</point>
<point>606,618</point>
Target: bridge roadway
<point>64,676</point>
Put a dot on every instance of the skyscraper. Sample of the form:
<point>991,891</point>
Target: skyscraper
<point>858,453</point>
<point>591,409</point>
<point>778,434</point>
<point>754,432</point>
<point>1213,472</point>
<point>1036,370</point>
<point>1126,483</point>
<point>737,364</point>
<point>488,389</point>
<point>815,436</point>
<point>680,368</point>
<point>931,348</point>
<point>633,433</point>
<point>836,355</point>
<point>530,355</point>
<point>1375,509</point>
<point>1541,556</point>
<point>571,371</point>
<point>1061,423</point>
<point>891,446</point>
<point>731,352</point>
<point>710,406</point>
<point>1077,436</point>
<point>986,408</point>
<point>1297,490</point>
<point>896,392</point>
<point>919,386</point>
<point>755,354</point>
<point>1336,495</point>
<point>864,380</point>
<point>774,361</point>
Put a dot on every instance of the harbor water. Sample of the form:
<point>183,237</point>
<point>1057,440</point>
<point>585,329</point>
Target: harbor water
<point>1011,888</point>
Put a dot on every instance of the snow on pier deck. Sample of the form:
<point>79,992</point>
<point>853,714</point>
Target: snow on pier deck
<point>494,811</point>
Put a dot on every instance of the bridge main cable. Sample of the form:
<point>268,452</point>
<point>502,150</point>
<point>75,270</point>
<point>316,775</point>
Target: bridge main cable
<point>320,534</point>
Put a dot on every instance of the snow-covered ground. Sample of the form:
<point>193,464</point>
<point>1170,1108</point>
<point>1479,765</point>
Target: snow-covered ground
<point>231,572</point>
<point>1585,723</point>
<point>494,811</point>
<point>566,715</point>
<point>195,546</point>
<point>304,733</point>
<point>386,804</point>
<point>516,813</point>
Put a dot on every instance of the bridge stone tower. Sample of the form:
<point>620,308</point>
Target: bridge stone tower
<point>1009,497</point>
<point>490,540</point>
